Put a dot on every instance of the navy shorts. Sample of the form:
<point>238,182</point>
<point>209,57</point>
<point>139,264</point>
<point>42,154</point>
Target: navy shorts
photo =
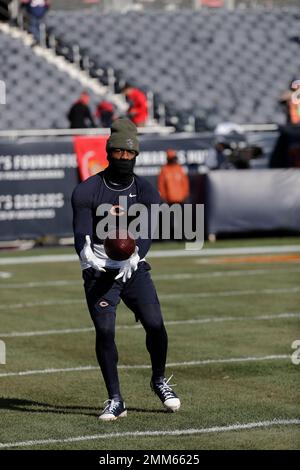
<point>103,292</point>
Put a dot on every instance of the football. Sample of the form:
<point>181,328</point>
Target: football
<point>119,245</point>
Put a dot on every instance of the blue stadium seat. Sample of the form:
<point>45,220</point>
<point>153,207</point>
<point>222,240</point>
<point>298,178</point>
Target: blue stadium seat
<point>38,94</point>
<point>223,64</point>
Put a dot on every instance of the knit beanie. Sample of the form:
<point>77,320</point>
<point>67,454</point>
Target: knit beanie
<point>123,136</point>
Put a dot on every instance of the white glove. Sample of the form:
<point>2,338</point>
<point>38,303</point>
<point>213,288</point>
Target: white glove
<point>87,255</point>
<point>130,266</point>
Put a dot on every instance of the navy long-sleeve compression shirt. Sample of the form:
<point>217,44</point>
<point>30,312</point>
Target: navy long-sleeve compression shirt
<point>96,190</point>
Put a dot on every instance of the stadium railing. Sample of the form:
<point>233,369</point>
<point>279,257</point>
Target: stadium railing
<point>14,134</point>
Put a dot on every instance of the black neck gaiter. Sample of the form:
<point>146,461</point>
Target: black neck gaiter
<point>120,171</point>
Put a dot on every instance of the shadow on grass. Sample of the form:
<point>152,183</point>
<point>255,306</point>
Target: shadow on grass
<point>30,406</point>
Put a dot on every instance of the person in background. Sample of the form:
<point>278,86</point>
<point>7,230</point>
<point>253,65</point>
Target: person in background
<point>138,105</point>
<point>173,183</point>
<point>5,10</point>
<point>173,186</point>
<point>80,116</point>
<point>105,113</point>
<point>36,10</point>
<point>292,103</point>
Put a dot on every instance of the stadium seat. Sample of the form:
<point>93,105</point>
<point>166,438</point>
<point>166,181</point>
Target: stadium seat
<point>190,60</point>
<point>30,105</point>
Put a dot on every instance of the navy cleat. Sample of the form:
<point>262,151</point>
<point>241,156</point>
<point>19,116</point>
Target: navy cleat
<point>165,393</point>
<point>114,409</point>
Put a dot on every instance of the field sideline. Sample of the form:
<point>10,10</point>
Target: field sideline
<point>231,323</point>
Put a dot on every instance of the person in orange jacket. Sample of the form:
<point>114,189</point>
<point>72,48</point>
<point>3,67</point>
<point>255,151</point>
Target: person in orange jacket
<point>138,105</point>
<point>174,188</point>
<point>173,183</point>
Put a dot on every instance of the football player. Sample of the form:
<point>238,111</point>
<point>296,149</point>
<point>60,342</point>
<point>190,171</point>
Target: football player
<point>107,281</point>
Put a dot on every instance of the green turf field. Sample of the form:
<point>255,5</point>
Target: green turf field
<point>230,327</point>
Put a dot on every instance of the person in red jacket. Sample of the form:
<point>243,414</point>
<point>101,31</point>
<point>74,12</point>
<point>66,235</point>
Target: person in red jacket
<point>138,105</point>
<point>105,112</point>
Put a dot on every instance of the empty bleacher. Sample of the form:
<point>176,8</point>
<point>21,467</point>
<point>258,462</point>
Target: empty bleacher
<point>38,94</point>
<point>212,65</point>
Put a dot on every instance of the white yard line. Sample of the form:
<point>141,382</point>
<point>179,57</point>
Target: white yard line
<point>236,293</point>
<point>227,273</point>
<point>146,366</point>
<point>192,321</point>
<point>20,334</point>
<point>5,275</point>
<point>157,277</point>
<point>44,303</point>
<point>176,432</point>
<point>288,290</point>
<point>10,261</point>
<point>33,285</point>
<point>247,250</point>
<point>160,254</point>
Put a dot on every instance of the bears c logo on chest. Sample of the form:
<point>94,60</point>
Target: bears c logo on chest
<point>117,210</point>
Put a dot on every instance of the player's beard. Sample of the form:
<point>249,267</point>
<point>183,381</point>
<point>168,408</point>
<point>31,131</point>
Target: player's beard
<point>120,171</point>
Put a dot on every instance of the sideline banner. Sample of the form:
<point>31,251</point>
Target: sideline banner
<point>36,183</point>
<point>193,152</point>
<point>37,176</point>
